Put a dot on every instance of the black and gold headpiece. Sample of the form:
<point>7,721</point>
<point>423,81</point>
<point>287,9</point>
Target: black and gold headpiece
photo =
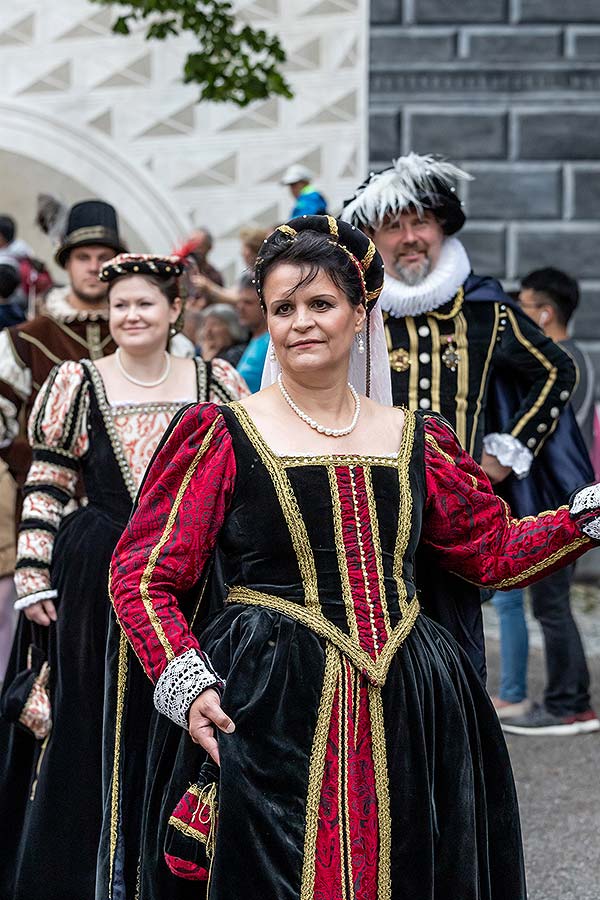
<point>351,240</point>
<point>142,264</point>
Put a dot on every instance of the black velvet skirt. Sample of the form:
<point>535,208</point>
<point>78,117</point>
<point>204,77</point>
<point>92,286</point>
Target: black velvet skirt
<point>452,817</point>
<point>51,797</point>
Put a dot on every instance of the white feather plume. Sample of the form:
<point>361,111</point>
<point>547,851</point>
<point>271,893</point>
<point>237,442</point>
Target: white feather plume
<point>399,187</point>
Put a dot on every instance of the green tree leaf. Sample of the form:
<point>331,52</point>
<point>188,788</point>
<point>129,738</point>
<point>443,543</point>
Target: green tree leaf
<point>233,63</point>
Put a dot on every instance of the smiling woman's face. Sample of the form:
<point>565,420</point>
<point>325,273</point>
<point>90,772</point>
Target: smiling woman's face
<point>312,326</point>
<point>140,315</point>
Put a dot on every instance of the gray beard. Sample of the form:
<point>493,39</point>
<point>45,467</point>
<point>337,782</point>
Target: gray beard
<point>412,275</point>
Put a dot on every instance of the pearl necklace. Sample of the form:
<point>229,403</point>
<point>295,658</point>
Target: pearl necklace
<point>144,384</point>
<point>330,432</point>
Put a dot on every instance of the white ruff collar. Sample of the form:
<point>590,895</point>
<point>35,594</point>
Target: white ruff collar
<point>57,306</point>
<point>440,286</point>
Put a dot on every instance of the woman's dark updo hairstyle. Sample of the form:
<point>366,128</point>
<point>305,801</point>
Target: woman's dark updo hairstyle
<point>324,244</point>
<point>161,271</point>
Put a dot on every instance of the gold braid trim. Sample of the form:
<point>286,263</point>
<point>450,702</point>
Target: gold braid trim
<point>484,376</point>
<point>357,265</point>
<point>436,363</point>
<point>341,554</point>
<point>188,830</point>
<point>363,564</point>
<point>376,670</point>
<point>377,547</point>
<point>343,811</point>
<point>287,230</point>
<point>153,558</point>
<point>548,384</point>
<point>404,512</point>
<point>333,226</point>
<point>115,786</point>
<point>517,580</point>
<point>382,789</point>
<point>458,302</point>
<point>316,769</point>
<point>432,441</point>
<point>289,507</point>
<point>369,255</point>
<point>413,355</point>
<point>462,377</point>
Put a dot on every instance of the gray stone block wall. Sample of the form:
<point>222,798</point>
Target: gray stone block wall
<point>510,90</point>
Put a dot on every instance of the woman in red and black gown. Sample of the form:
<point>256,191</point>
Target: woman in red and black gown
<point>359,755</point>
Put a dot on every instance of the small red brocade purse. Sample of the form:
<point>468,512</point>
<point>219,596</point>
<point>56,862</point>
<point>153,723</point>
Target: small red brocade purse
<point>26,700</point>
<point>192,828</point>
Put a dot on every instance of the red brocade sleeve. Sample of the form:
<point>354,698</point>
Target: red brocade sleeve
<point>471,530</point>
<point>170,537</point>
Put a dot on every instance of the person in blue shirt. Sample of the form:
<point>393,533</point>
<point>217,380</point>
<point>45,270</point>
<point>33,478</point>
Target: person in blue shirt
<point>309,202</point>
<point>252,317</point>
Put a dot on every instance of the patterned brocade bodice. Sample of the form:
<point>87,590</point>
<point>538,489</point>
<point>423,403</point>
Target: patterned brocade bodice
<point>328,540</point>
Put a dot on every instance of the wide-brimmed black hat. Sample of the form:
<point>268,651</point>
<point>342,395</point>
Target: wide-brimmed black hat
<point>350,239</point>
<point>412,182</point>
<point>90,222</point>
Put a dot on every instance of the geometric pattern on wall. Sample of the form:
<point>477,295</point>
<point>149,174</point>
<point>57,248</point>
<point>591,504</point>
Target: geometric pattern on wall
<point>217,164</point>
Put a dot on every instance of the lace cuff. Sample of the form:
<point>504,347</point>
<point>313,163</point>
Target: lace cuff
<point>182,681</point>
<point>509,452</point>
<point>585,510</point>
<point>30,599</point>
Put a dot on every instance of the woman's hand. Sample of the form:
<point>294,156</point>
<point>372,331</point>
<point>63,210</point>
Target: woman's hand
<point>205,712</point>
<point>42,613</point>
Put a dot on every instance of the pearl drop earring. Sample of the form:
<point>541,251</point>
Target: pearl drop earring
<point>361,342</point>
<point>272,354</point>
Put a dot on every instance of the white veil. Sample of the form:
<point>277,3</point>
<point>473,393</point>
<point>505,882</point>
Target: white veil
<point>375,346</point>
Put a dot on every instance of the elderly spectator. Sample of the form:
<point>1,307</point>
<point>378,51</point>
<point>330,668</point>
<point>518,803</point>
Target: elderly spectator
<point>219,333</point>
<point>308,200</point>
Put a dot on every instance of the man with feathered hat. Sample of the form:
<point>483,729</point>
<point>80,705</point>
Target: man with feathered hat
<point>459,346</point>
<point>448,329</point>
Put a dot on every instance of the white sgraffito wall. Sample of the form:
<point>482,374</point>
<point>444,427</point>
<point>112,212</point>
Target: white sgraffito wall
<point>88,113</point>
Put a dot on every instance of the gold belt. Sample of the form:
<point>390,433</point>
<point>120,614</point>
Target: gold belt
<point>375,669</point>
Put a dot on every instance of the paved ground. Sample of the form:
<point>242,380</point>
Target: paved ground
<point>558,780</point>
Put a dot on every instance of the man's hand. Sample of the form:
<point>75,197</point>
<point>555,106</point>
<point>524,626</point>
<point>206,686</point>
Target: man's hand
<point>205,712</point>
<point>492,468</point>
<point>42,613</point>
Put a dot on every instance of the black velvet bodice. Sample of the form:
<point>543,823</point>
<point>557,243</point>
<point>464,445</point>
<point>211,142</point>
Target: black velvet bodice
<point>325,532</point>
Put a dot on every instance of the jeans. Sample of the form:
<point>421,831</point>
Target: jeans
<point>567,676</point>
<point>514,645</point>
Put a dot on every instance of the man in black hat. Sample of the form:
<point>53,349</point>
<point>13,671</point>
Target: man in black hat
<point>73,324</point>
<point>448,333</point>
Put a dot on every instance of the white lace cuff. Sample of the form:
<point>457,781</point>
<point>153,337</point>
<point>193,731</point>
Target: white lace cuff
<point>585,509</point>
<point>509,451</point>
<point>30,599</point>
<point>182,681</point>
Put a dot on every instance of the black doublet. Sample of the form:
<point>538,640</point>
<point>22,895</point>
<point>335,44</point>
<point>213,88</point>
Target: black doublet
<point>443,360</point>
